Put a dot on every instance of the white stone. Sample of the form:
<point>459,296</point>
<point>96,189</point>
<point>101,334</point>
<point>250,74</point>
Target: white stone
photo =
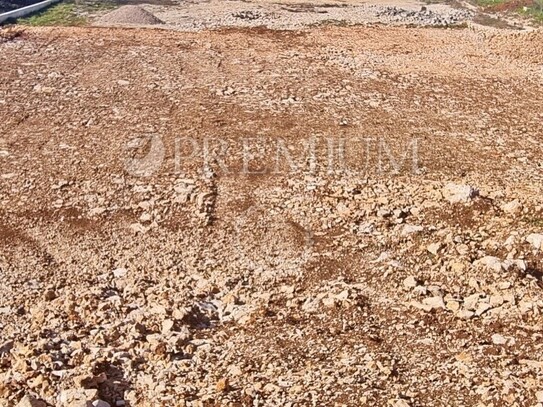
<point>498,339</point>
<point>455,193</point>
<point>465,314</point>
<point>167,326</point>
<point>410,282</point>
<point>452,305</point>
<point>434,248</point>
<point>536,240</point>
<point>490,262</point>
<point>120,272</point>
<point>520,264</point>
<point>310,305</point>
<point>513,207</point>
<point>496,300</point>
<point>146,217</point>
<point>411,229</point>
<point>482,308</point>
<point>470,303</point>
<point>434,302</point>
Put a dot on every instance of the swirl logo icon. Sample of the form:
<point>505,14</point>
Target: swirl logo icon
<point>145,156</point>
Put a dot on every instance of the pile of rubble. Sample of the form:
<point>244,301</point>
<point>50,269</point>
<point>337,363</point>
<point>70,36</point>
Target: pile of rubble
<point>129,15</point>
<point>285,15</point>
<point>425,16</point>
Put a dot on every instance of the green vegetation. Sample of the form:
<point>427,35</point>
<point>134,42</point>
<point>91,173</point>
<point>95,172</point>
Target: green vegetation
<point>59,14</point>
<point>65,14</point>
<point>489,3</point>
<point>530,8</point>
<point>535,11</point>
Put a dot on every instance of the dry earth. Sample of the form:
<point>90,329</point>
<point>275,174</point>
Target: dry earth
<point>230,276</point>
<point>289,14</point>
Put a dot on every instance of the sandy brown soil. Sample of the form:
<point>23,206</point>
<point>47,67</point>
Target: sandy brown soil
<point>233,278</point>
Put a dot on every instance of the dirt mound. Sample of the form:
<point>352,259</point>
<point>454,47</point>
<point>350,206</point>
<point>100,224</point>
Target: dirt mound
<point>133,15</point>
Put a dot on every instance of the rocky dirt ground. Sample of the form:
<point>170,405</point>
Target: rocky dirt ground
<point>339,216</point>
<point>288,14</point>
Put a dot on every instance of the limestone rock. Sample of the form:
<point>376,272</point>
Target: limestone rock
<point>434,248</point>
<point>490,262</point>
<point>411,229</point>
<point>498,339</point>
<point>513,207</point>
<point>434,302</point>
<point>455,193</point>
<point>410,282</point>
<point>29,401</point>
<point>536,240</point>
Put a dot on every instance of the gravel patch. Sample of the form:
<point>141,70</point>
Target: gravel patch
<point>216,14</point>
<point>133,15</point>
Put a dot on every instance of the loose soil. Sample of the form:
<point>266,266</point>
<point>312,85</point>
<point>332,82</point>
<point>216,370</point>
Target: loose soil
<point>167,238</point>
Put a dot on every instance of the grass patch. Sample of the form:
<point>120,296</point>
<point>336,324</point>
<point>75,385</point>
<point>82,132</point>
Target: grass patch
<point>532,9</point>
<point>63,14</point>
<point>66,14</point>
<point>489,3</point>
<point>535,12</point>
